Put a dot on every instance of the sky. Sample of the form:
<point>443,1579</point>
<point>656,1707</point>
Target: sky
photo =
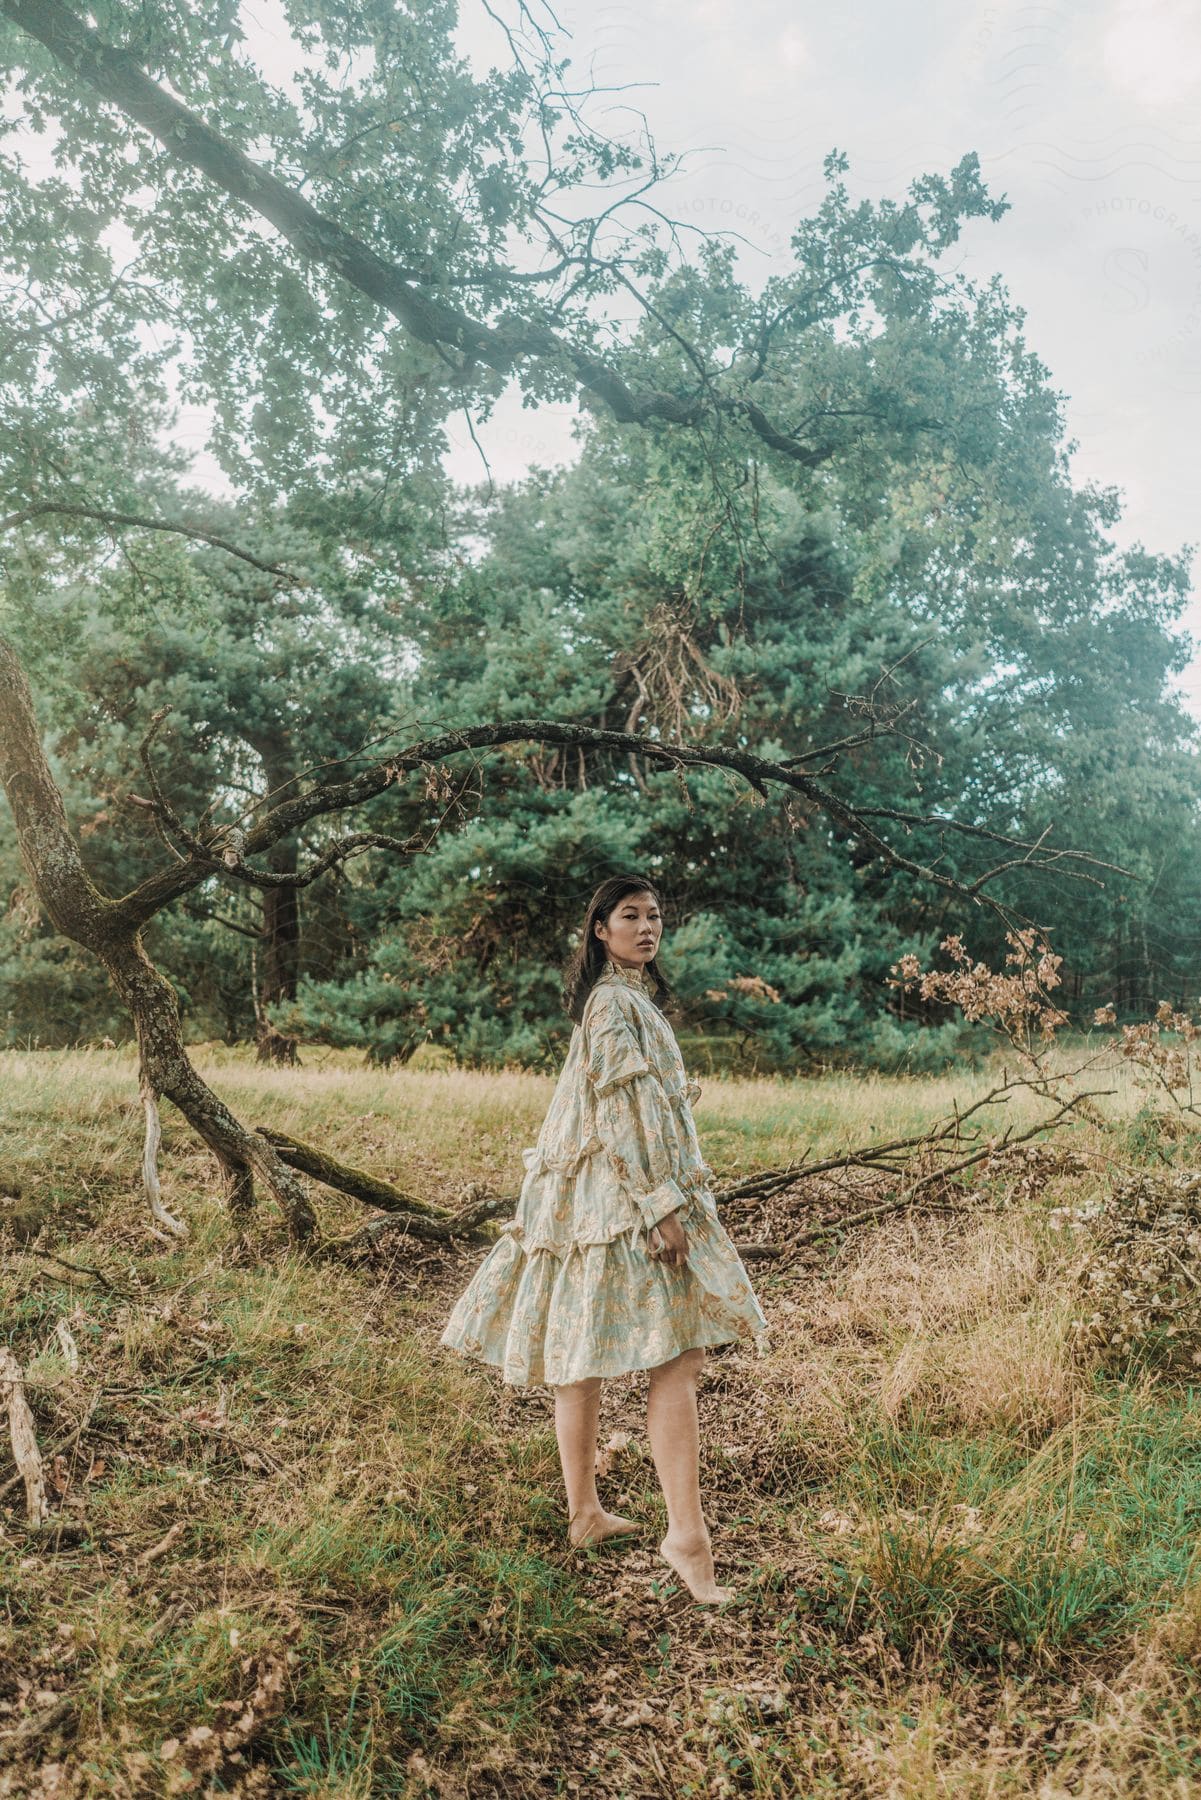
<point>1086,117</point>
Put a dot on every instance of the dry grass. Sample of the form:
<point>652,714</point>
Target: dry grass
<point>964,1557</point>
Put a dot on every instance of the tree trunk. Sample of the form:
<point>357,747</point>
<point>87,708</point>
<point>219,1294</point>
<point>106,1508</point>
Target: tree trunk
<point>279,953</point>
<point>165,1065</point>
<point>280,959</point>
<point>81,912</point>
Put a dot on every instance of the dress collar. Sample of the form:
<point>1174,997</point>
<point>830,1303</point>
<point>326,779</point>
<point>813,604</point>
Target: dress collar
<point>628,977</point>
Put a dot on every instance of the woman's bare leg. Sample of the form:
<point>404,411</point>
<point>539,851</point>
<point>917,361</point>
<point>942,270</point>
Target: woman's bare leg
<point>671,1425</point>
<point>577,1414</point>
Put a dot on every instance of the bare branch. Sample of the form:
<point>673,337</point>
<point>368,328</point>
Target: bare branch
<point>337,852</point>
<point>104,516</point>
<point>232,925</point>
<point>909,1196</point>
<point>879,726</point>
<point>24,1444</point>
<point>996,837</point>
<point>943,1138</point>
<point>332,797</point>
<point>117,77</point>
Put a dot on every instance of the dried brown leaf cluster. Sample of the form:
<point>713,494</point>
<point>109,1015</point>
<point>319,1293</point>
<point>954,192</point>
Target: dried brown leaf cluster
<point>1140,1280</point>
<point>1015,1000</point>
<point>670,675</point>
<point>1162,1049</point>
<point>753,986</point>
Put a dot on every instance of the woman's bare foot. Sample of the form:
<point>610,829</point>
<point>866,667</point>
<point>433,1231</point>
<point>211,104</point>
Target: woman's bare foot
<point>692,1560</point>
<point>594,1528</point>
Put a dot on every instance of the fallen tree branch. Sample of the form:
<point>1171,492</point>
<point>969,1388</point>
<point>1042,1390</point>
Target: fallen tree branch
<point>164,1544</point>
<point>26,1454</point>
<point>358,1183</point>
<point>406,1215</point>
<point>64,1445</point>
<point>488,1206</point>
<point>761,1186</point>
<point>910,1196</point>
<point>409,1225</point>
<point>940,1139</point>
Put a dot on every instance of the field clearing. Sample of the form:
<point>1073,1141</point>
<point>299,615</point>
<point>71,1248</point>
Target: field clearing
<point>745,1124</point>
<point>302,1550</point>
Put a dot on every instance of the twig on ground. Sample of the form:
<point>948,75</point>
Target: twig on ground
<point>164,1544</point>
<point>79,1269</point>
<point>65,1445</point>
<point>26,1454</point>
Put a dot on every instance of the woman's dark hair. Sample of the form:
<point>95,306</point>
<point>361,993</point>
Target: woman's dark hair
<point>589,959</point>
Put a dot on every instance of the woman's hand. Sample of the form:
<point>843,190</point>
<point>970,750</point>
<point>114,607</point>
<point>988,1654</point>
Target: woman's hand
<point>668,1241</point>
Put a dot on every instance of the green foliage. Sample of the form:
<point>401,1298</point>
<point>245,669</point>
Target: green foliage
<point>928,560</point>
<point>987,1556</point>
<point>261,686</point>
<point>670,584</point>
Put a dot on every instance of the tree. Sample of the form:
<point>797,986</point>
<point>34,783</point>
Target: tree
<point>288,344</point>
<point>672,583</point>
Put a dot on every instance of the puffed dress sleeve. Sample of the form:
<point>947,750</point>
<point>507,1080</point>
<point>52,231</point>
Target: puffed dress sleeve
<point>633,1118</point>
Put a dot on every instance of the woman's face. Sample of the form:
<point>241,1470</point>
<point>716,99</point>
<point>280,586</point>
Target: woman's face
<point>632,931</point>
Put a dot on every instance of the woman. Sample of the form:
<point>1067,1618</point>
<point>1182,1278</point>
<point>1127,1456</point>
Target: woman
<point>616,1259</point>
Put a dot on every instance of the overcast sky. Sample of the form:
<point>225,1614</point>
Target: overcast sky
<point>1084,116</point>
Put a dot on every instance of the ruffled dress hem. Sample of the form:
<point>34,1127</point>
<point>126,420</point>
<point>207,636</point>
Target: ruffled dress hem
<point>569,1292</point>
<point>551,1312</point>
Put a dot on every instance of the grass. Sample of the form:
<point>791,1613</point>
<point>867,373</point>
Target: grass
<point>300,1550</point>
<point>970,1545</point>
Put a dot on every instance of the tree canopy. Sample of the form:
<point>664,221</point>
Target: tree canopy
<point>828,523</point>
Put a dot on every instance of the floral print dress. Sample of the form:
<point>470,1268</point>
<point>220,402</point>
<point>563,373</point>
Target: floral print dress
<point>568,1290</point>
